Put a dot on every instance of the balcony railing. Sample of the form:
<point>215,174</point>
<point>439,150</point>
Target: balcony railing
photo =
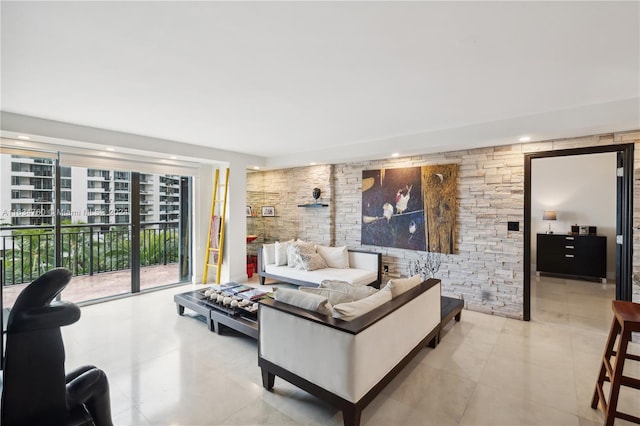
<point>87,249</point>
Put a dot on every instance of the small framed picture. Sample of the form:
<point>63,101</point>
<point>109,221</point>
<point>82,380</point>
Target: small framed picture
<point>249,212</point>
<point>268,211</point>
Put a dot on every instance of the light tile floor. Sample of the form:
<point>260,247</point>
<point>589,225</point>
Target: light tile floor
<point>170,370</point>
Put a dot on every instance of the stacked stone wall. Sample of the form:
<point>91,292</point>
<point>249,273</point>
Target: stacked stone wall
<point>486,268</point>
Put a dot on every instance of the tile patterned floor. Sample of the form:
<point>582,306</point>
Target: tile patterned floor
<point>170,370</point>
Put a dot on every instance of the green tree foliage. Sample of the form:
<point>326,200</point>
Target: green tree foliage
<point>85,250</point>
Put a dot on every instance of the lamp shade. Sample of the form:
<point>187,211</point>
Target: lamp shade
<point>549,215</point>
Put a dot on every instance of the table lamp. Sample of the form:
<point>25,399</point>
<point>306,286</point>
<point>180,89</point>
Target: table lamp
<point>549,215</point>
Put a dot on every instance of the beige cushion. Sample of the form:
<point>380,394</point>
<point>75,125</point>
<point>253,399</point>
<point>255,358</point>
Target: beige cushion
<point>336,257</point>
<point>351,310</point>
<point>311,262</point>
<point>294,250</point>
<point>334,296</point>
<point>308,301</point>
<point>280,253</point>
<point>357,291</point>
<point>269,254</point>
<point>400,285</point>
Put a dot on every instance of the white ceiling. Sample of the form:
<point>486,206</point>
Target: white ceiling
<point>323,81</point>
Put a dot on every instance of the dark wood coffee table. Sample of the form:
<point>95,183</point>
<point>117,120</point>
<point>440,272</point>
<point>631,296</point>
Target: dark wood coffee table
<point>217,320</point>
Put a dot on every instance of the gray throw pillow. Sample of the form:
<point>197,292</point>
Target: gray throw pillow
<point>300,299</point>
<point>311,262</point>
<point>334,296</point>
<point>349,311</point>
<point>357,291</point>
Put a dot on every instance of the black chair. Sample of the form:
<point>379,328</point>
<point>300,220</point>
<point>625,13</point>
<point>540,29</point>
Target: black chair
<point>36,390</point>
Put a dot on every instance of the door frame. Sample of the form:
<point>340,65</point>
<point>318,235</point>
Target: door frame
<point>624,217</point>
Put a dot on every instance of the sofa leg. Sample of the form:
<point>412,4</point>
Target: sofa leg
<point>268,379</point>
<point>434,342</point>
<point>351,416</point>
<point>262,280</point>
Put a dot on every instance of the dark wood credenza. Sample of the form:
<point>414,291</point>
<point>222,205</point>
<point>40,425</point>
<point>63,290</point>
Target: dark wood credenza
<point>583,256</point>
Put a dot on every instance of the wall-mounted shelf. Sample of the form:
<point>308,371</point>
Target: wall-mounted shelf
<point>312,205</point>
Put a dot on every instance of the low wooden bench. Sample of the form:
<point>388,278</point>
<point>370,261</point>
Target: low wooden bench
<point>450,308</point>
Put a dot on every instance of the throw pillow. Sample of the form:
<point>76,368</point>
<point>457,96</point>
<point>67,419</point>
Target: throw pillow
<point>311,262</point>
<point>357,291</point>
<point>351,310</point>
<point>294,250</point>
<point>400,285</point>
<point>334,296</point>
<point>300,299</point>
<point>336,257</point>
<point>269,254</point>
<point>293,256</point>
<point>280,253</point>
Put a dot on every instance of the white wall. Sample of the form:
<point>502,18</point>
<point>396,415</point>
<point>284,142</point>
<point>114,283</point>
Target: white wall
<point>582,190</point>
<point>5,189</point>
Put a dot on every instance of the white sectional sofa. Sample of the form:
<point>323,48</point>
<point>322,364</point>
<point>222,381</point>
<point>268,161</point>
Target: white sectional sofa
<point>362,268</point>
<point>347,363</point>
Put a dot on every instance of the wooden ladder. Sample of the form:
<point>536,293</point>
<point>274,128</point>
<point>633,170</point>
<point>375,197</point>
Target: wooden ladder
<point>215,238</point>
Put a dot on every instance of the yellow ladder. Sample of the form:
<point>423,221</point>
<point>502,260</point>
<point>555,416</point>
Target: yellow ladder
<point>215,239</point>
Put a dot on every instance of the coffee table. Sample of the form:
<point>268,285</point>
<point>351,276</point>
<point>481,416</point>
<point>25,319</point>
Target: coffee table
<point>217,319</point>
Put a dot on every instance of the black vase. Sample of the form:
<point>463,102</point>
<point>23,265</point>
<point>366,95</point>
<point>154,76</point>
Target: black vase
<point>316,193</point>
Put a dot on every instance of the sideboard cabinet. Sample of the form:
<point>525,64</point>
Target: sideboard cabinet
<point>583,256</point>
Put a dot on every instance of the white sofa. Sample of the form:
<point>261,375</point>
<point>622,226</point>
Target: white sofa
<point>347,363</point>
<point>364,269</point>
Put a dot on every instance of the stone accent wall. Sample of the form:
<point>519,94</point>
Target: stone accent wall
<point>486,268</point>
<point>285,189</point>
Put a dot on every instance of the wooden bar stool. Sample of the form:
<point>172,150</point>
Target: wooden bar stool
<point>626,319</point>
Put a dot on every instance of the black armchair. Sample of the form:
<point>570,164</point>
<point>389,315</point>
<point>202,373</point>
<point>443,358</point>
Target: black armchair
<point>36,390</point>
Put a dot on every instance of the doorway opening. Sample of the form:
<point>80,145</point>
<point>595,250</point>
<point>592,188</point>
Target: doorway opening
<point>623,217</point>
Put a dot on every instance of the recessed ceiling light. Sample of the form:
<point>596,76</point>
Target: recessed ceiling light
<point>23,137</point>
<point>173,157</point>
<point>525,138</point>
<point>395,154</point>
<point>111,149</point>
<point>312,164</point>
<point>256,167</point>
<point>19,143</point>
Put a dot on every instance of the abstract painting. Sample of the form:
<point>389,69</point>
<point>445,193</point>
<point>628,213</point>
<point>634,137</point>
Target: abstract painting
<point>409,208</point>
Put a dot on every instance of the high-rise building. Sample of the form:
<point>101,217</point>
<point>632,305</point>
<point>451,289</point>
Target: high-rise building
<point>27,191</point>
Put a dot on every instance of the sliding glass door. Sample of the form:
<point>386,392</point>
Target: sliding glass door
<point>164,250</point>
<point>117,231</point>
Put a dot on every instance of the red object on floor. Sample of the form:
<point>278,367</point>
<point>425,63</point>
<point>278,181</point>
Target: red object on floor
<point>253,259</point>
<point>249,270</point>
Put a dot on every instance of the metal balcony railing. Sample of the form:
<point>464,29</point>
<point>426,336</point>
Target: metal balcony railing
<point>87,249</point>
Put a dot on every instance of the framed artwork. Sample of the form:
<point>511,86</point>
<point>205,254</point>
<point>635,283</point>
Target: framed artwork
<point>249,211</point>
<point>268,211</point>
<point>410,208</point>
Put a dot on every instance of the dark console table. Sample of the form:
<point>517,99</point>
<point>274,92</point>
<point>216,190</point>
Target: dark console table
<point>581,256</point>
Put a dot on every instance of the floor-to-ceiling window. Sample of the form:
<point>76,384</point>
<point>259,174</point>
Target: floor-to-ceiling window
<point>118,230</point>
<point>160,228</point>
<point>28,203</point>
